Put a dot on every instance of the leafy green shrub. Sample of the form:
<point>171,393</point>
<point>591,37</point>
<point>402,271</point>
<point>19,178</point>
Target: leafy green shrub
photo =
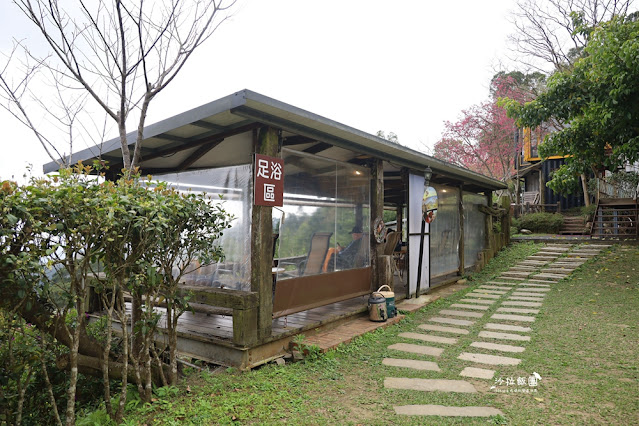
<point>589,212</point>
<point>541,222</point>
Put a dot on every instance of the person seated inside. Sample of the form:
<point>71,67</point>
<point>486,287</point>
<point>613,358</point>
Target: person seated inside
<point>347,257</point>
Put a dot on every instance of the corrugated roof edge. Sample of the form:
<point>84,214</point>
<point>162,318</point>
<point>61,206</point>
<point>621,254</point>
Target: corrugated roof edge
<point>247,97</point>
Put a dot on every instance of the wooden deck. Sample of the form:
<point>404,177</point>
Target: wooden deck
<point>209,336</point>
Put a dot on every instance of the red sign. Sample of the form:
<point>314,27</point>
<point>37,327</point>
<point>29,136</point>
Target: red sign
<point>269,181</point>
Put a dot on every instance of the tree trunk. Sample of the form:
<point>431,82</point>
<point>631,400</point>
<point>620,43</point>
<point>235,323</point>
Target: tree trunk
<point>584,187</point>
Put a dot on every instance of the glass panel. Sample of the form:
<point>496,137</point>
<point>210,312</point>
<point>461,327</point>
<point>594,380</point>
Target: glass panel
<point>474,227</point>
<point>323,202</point>
<point>444,233</point>
<point>233,184</point>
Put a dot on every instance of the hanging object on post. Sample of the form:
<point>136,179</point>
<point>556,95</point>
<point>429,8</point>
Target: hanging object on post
<point>379,230</point>
<point>429,204</point>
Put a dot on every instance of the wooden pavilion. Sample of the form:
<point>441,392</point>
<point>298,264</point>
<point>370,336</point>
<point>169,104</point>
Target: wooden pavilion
<point>284,273</point>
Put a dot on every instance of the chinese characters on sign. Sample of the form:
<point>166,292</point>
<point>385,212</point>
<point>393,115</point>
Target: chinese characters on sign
<point>269,181</point>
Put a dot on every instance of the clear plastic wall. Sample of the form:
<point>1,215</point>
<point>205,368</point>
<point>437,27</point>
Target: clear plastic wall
<point>322,197</point>
<point>474,227</point>
<point>233,184</point>
<point>444,233</point>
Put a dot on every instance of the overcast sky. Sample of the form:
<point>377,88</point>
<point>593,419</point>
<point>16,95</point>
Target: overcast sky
<point>404,66</point>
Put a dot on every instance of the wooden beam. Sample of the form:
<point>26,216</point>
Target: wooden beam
<point>199,153</point>
<point>191,143</point>
<point>297,140</point>
<point>262,243</point>
<point>317,148</point>
<point>460,207</point>
<point>377,210</point>
<point>488,233</point>
<point>206,125</point>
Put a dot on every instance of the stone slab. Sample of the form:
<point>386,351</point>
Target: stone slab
<point>484,295</point>
<point>446,411</point>
<point>495,287</point>
<point>416,349</point>
<point>477,373</point>
<point>429,385</point>
<point>518,310</point>
<point>559,249</point>
<point>523,268</point>
<point>515,274</point>
<point>526,298</point>
<point>452,321</point>
<point>503,336</point>
<point>535,289</point>
<point>555,276</point>
<point>508,317</point>
<point>411,363</point>
<point>507,327</point>
<point>540,281</point>
<point>559,271</point>
<point>501,277</point>
<point>504,283</point>
<point>528,294</point>
<point>481,301</point>
<point>464,306</point>
<point>535,285</point>
<point>461,313</point>
<point>498,347</point>
<point>441,328</point>
<point>429,338</point>
<point>534,262</point>
<point>488,359</point>
<point>489,291</point>
<point>521,303</point>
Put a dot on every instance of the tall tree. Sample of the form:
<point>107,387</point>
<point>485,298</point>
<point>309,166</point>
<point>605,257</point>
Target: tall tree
<point>482,139</point>
<point>547,32</point>
<point>598,99</point>
<point>113,56</point>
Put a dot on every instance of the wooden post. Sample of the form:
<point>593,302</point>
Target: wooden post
<point>504,202</point>
<point>262,244</point>
<point>377,210</point>
<point>400,221</point>
<point>542,189</point>
<point>488,233</point>
<point>460,208</point>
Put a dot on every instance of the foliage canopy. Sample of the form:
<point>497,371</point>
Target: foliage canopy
<point>597,101</point>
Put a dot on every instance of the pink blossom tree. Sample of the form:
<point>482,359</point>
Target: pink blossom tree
<point>483,138</point>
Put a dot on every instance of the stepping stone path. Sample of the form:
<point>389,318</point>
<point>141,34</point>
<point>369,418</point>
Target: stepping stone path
<point>496,318</point>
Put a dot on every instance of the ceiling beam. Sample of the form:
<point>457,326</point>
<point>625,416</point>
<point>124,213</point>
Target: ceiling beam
<point>206,125</point>
<point>297,140</point>
<point>316,149</point>
<point>199,153</point>
<point>218,137</point>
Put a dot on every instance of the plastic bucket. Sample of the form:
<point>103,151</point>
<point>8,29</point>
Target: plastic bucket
<point>389,295</point>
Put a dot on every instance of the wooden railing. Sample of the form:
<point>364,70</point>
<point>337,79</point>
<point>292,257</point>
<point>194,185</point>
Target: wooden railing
<point>243,303</point>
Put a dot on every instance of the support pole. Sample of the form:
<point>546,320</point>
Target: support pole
<point>461,270</point>
<point>262,243</point>
<point>377,210</point>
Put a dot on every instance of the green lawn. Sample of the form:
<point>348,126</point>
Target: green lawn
<point>585,345</point>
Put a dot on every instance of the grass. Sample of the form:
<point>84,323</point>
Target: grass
<point>584,345</point>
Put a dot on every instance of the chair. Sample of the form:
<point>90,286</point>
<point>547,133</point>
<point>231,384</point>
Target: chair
<point>316,254</point>
<point>391,242</point>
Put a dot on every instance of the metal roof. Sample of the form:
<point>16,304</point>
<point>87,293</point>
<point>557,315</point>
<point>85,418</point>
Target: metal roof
<point>220,133</point>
